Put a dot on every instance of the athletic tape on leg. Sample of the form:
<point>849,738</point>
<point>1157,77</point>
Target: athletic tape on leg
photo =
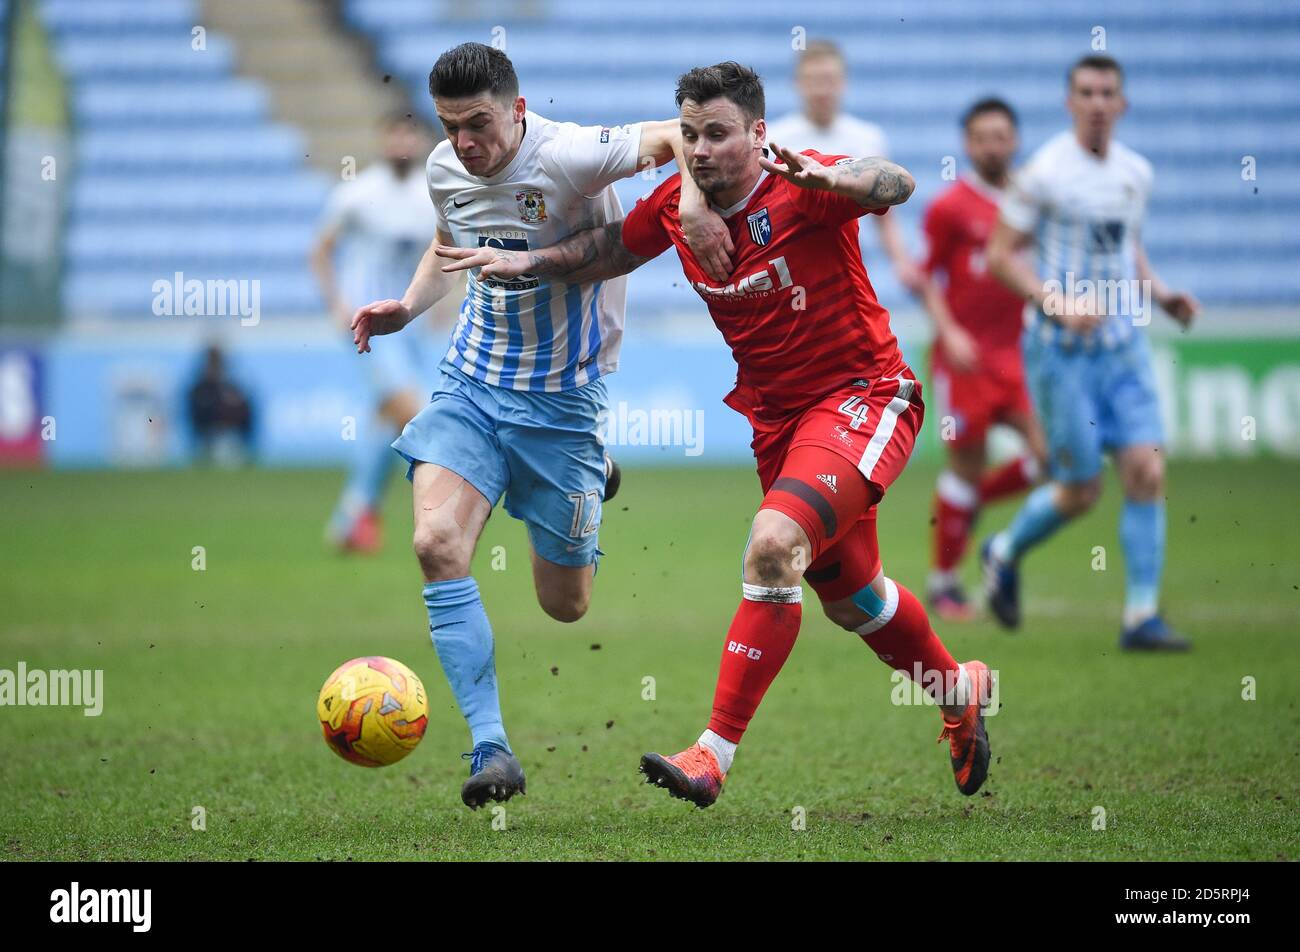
<point>880,610</point>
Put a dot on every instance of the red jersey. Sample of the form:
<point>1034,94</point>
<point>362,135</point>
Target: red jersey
<point>958,225</point>
<point>798,311</point>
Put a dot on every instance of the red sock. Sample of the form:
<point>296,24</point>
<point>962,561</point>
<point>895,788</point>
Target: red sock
<point>1008,479</point>
<point>906,640</point>
<point>955,505</point>
<point>758,642</point>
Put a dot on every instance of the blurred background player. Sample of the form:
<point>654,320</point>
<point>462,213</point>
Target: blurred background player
<point>834,409</point>
<point>520,399</point>
<point>976,365</point>
<point>1080,201</point>
<point>821,77</point>
<point>378,226</point>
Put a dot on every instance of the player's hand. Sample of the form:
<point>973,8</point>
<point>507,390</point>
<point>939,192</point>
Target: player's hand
<point>499,263</point>
<point>1181,306</point>
<point>799,169</point>
<point>709,240</point>
<point>959,349</point>
<point>910,276</point>
<point>1079,314</point>
<point>373,320</point>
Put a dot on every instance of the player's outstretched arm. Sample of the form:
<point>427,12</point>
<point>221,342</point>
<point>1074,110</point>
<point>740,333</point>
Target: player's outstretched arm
<point>872,182</point>
<point>429,285</point>
<point>705,231</point>
<point>593,254</point>
<point>1180,305</point>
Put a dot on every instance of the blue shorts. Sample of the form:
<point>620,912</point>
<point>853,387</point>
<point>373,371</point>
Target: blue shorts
<point>542,450</point>
<point>1092,401</point>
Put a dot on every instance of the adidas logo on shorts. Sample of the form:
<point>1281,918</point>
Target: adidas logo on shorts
<point>829,481</point>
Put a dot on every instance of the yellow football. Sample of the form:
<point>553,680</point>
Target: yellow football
<point>373,711</point>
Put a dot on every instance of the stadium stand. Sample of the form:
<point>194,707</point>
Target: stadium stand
<point>180,164</point>
<point>1222,89</point>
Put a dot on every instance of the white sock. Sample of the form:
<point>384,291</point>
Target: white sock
<point>960,694</point>
<point>722,748</point>
<point>1000,547</point>
<point>941,579</point>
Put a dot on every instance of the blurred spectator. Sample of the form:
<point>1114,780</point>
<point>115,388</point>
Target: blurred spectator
<point>821,77</point>
<point>220,414</point>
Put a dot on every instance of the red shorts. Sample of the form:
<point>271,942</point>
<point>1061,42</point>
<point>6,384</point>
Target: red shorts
<point>971,403</point>
<point>829,466</point>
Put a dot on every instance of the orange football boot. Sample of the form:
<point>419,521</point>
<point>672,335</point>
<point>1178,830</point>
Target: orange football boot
<point>967,738</point>
<point>692,775</point>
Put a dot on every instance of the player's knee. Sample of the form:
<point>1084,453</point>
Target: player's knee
<point>441,549</point>
<point>1075,499</point>
<point>567,606</point>
<point>1145,477</point>
<point>776,555</point>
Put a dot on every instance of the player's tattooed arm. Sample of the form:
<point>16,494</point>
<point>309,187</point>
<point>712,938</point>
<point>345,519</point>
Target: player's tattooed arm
<point>872,182</point>
<point>590,254</point>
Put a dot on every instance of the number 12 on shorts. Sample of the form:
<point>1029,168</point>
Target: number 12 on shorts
<point>587,504</point>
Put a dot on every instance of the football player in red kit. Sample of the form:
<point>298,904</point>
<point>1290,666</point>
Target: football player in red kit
<point>834,408</point>
<point>976,365</point>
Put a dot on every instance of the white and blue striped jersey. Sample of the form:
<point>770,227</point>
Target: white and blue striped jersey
<point>530,333</point>
<point>385,225</point>
<point>1086,214</point>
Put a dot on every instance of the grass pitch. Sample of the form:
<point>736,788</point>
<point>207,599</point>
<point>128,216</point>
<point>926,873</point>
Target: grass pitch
<point>210,681</point>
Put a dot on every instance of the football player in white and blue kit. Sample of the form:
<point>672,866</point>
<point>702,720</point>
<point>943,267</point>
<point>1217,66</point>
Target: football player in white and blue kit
<point>519,404</point>
<point>374,230</point>
<point>1080,201</point>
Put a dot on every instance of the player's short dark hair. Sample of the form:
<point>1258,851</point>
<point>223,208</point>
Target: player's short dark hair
<point>982,107</point>
<point>1095,61</point>
<point>471,69</point>
<point>730,80</point>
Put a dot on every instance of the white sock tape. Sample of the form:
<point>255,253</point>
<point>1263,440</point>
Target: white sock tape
<point>762,593</point>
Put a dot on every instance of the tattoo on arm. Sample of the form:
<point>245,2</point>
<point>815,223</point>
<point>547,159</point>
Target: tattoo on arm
<point>592,254</point>
<point>874,182</point>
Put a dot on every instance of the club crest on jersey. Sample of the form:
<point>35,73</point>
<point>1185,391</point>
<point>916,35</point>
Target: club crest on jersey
<point>760,227</point>
<point>532,206</point>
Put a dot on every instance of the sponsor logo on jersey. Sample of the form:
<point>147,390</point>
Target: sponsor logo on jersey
<point>760,282</point>
<point>532,205</point>
<point>604,137</point>
<point>829,480</point>
<point>760,227</point>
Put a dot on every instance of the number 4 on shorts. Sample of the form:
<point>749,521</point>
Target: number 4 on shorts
<point>855,410</point>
